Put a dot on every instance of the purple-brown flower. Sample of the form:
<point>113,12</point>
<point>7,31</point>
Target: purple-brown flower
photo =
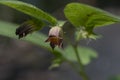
<point>28,27</point>
<point>55,37</point>
<point>24,29</point>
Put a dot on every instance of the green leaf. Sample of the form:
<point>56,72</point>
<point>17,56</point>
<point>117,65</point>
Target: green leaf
<point>82,15</point>
<point>61,23</point>
<point>30,10</point>
<point>56,62</point>
<point>85,54</point>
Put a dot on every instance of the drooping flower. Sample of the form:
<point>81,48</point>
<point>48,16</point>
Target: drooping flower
<point>28,27</point>
<point>55,37</point>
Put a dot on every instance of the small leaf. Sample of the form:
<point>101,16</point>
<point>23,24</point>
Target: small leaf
<point>61,23</point>
<point>56,62</point>
<point>85,54</point>
<point>82,15</point>
<point>30,10</point>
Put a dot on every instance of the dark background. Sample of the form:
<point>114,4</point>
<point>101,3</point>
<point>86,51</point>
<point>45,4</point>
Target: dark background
<point>21,60</point>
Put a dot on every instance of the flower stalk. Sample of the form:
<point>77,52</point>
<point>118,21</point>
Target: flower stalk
<point>82,70</point>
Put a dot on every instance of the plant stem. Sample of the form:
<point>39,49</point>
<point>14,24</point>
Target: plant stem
<point>82,70</point>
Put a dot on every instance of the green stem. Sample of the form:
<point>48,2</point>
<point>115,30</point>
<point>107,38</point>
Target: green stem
<point>82,70</point>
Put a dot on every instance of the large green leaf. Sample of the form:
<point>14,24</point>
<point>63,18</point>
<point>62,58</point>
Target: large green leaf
<point>30,10</point>
<point>86,54</point>
<point>87,16</point>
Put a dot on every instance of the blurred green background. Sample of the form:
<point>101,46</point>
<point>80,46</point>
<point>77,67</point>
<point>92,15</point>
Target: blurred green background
<point>20,60</point>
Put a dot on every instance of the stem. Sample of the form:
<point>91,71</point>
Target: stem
<point>82,70</point>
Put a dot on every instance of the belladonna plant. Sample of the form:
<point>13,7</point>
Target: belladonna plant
<point>83,17</point>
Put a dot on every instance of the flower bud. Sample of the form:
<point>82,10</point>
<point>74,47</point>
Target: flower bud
<point>55,37</point>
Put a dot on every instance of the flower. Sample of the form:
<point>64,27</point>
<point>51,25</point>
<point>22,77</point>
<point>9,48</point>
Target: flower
<point>55,37</point>
<point>24,29</point>
<point>28,27</point>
